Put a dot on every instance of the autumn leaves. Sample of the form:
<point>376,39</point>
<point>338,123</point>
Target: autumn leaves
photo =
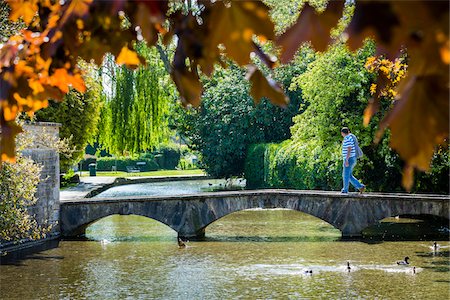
<point>40,62</point>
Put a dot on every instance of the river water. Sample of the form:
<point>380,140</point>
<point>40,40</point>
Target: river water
<point>254,254</point>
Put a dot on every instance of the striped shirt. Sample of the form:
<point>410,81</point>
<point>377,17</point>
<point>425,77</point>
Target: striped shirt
<point>348,142</point>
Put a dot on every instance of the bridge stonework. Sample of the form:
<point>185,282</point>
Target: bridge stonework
<point>189,215</point>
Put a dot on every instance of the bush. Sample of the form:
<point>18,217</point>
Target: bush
<point>107,164</point>
<point>18,185</point>
<point>254,164</point>
<point>290,165</point>
<point>168,156</point>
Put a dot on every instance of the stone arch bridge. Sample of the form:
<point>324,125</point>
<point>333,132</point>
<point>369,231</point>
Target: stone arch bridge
<point>189,215</point>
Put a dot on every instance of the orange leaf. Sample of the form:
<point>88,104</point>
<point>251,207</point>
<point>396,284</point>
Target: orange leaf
<point>264,87</point>
<point>310,26</point>
<point>189,86</point>
<point>79,7</point>
<point>23,9</point>
<point>9,130</point>
<point>408,177</point>
<point>63,80</point>
<point>127,57</point>
<point>36,86</point>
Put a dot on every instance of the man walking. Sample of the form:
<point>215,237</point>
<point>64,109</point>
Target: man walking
<point>349,157</point>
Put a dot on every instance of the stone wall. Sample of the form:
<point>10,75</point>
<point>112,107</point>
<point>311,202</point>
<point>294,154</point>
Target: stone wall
<point>46,210</point>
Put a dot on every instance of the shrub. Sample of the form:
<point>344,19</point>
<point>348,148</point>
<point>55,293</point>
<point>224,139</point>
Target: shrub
<point>107,164</point>
<point>168,156</point>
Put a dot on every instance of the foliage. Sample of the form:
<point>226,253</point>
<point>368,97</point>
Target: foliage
<point>168,156</point>
<point>40,62</point>
<point>79,115</point>
<point>107,164</point>
<point>222,130</point>
<point>135,115</point>
<point>18,184</point>
<point>8,28</point>
<point>289,165</point>
<point>394,71</point>
<point>335,88</point>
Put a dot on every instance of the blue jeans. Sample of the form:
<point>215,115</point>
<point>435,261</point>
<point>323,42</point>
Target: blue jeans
<point>347,175</point>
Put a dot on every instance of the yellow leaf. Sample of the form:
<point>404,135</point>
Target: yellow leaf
<point>127,57</point>
<point>264,87</point>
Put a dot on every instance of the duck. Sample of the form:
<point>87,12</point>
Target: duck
<point>104,242</point>
<point>308,272</point>
<point>181,244</point>
<point>435,247</point>
<point>348,267</point>
<point>403,262</point>
<point>414,270</point>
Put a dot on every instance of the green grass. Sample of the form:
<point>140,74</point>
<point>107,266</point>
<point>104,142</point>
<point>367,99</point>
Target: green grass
<point>151,173</point>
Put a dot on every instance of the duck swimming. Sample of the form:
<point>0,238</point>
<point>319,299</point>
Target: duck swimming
<point>403,262</point>
<point>435,247</point>
<point>348,267</point>
<point>181,244</point>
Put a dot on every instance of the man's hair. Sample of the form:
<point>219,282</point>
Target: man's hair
<point>345,130</point>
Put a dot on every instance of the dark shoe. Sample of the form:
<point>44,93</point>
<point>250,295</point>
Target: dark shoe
<point>361,190</point>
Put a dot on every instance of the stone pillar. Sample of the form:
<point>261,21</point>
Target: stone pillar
<point>46,209</point>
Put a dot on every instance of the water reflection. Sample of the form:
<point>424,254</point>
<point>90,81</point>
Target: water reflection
<point>259,254</point>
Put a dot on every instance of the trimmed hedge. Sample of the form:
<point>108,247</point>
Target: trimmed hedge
<point>106,164</point>
<point>289,165</point>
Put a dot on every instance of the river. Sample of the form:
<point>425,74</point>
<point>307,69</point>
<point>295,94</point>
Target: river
<point>254,254</point>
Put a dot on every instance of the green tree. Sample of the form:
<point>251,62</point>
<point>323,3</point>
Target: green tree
<point>228,121</point>
<point>135,116</point>
<point>79,115</point>
<point>336,89</point>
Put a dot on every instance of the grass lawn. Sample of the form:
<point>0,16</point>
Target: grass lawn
<point>151,173</point>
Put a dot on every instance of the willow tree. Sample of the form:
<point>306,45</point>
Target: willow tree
<point>135,116</point>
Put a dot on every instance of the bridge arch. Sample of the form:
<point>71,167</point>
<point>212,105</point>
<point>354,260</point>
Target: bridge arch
<point>77,217</point>
<point>136,227</point>
<point>210,210</point>
<point>290,218</point>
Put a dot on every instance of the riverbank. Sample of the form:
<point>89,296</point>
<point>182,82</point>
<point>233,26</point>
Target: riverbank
<point>91,186</point>
<point>162,173</point>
